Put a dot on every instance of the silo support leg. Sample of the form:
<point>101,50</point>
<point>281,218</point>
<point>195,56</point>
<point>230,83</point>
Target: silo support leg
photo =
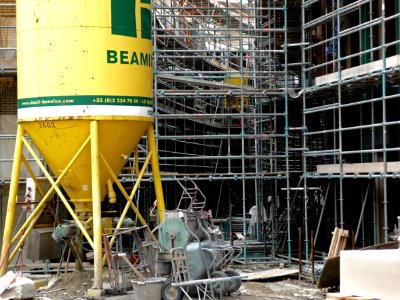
<point>128,204</point>
<point>34,216</point>
<point>12,199</point>
<point>97,289</point>
<point>56,188</point>
<point>156,173</point>
<point>122,190</point>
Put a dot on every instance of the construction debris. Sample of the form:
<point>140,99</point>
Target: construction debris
<point>67,286</point>
<point>13,286</point>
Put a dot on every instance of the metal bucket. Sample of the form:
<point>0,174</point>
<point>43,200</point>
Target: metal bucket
<point>150,289</point>
<point>163,267</point>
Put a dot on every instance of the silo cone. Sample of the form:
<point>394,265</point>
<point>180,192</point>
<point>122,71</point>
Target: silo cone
<point>85,87</point>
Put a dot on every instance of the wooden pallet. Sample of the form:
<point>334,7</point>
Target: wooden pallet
<point>342,296</point>
<point>338,243</point>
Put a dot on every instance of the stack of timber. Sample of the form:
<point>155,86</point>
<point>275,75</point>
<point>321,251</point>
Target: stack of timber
<point>330,275</point>
<point>338,243</point>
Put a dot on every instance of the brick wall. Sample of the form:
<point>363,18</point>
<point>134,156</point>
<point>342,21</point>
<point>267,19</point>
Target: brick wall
<point>8,100</point>
<point>8,10</point>
<point>8,58</point>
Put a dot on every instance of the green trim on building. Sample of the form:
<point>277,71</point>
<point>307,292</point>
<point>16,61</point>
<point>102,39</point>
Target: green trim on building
<point>85,100</point>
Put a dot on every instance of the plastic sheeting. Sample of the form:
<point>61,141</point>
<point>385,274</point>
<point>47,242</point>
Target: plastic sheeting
<point>254,217</point>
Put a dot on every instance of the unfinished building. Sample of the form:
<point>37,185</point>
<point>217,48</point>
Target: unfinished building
<point>282,114</point>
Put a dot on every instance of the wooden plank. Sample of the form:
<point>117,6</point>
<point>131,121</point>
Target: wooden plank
<point>375,167</point>
<point>337,296</point>
<point>338,242</point>
<point>343,234</point>
<point>361,298</point>
<point>344,296</point>
<point>334,241</point>
<point>343,240</point>
<point>239,235</point>
<point>268,274</point>
<point>361,70</point>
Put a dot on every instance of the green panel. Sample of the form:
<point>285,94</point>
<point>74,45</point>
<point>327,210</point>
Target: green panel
<point>123,18</point>
<point>172,233</point>
<point>146,23</point>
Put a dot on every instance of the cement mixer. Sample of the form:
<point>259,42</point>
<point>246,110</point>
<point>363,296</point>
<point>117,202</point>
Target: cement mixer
<point>192,253</point>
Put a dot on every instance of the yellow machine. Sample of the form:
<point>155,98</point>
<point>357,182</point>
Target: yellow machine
<point>85,85</point>
<point>234,102</point>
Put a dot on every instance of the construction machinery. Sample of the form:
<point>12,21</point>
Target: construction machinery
<point>192,252</point>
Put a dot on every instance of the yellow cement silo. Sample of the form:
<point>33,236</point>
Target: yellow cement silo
<point>85,85</point>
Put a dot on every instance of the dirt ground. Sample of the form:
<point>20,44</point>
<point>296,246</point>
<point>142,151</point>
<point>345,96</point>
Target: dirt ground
<point>289,289</point>
<point>67,286</point>
<point>74,286</point>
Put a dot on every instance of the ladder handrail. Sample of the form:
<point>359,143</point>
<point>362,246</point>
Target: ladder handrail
<point>191,196</point>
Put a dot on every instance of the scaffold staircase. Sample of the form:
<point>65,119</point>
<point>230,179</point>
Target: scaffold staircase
<point>189,199</point>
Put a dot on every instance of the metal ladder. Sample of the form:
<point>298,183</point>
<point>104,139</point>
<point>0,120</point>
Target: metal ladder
<point>189,195</point>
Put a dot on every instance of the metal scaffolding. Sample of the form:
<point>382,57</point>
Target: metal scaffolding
<point>221,92</point>
<point>350,92</point>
